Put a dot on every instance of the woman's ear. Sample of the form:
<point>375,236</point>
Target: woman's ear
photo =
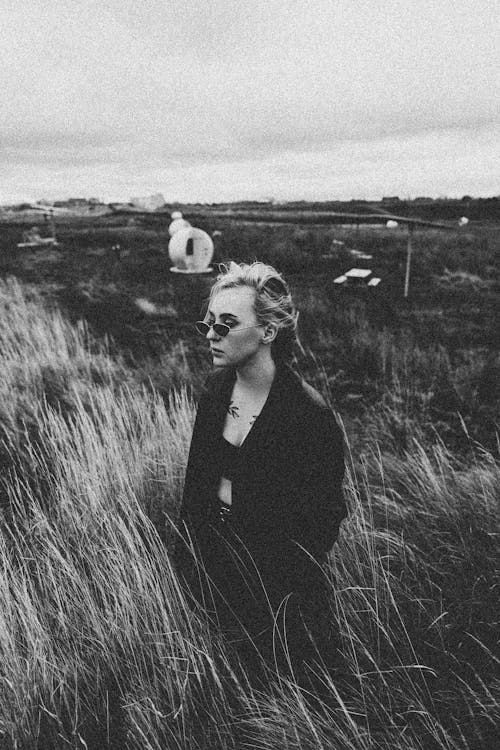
<point>270,333</point>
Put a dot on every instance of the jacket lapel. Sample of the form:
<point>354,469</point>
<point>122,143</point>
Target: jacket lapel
<point>222,398</point>
<point>271,421</point>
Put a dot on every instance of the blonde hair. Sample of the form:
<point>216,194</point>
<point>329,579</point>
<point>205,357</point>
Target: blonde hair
<point>273,302</point>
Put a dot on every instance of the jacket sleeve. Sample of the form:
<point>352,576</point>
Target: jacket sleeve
<point>315,503</point>
<point>193,511</point>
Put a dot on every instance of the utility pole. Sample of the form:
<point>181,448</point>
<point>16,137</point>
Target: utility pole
<point>411,227</point>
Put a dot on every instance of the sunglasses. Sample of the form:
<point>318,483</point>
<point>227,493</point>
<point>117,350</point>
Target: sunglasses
<point>221,329</point>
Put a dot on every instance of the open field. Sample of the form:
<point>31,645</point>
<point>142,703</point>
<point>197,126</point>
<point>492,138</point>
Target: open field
<point>441,343</point>
<point>98,369</point>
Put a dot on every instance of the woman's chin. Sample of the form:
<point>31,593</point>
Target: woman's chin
<point>218,360</point>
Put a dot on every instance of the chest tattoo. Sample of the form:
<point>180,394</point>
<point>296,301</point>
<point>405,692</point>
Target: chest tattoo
<point>233,410</point>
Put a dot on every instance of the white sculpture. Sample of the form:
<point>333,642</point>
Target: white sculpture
<point>176,225</point>
<point>191,250</point>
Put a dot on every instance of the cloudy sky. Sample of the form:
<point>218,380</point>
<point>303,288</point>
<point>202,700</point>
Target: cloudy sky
<point>222,99</point>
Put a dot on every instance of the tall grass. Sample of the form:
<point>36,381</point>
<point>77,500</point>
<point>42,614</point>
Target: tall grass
<point>98,646</point>
<point>400,382</point>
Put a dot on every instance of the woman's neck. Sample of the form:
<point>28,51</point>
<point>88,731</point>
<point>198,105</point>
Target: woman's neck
<point>256,376</point>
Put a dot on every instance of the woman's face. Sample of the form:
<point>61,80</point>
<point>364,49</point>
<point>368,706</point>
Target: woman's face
<point>235,308</point>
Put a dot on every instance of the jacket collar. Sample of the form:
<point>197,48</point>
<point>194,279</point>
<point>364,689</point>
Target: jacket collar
<point>270,420</point>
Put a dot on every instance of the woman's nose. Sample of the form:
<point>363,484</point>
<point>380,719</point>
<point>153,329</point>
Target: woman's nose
<point>211,333</point>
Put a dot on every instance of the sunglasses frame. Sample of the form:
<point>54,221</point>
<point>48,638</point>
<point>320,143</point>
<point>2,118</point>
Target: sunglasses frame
<point>221,329</point>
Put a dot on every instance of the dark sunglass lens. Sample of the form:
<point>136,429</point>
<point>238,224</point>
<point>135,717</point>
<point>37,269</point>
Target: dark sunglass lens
<point>202,328</point>
<point>221,329</point>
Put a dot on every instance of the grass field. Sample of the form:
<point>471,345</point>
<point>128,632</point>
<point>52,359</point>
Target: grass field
<point>98,391</point>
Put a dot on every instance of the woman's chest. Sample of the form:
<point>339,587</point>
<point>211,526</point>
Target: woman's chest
<point>240,417</point>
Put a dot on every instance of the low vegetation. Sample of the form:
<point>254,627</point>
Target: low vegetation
<point>98,648</point>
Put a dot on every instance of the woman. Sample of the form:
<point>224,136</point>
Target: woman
<point>262,500</point>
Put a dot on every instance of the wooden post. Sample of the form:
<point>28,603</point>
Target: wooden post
<point>408,258</point>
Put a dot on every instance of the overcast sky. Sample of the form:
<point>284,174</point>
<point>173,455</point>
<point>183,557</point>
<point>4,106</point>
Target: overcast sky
<point>224,99</point>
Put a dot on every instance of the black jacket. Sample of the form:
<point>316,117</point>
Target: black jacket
<point>287,501</point>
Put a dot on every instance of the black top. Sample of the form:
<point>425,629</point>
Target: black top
<point>229,458</point>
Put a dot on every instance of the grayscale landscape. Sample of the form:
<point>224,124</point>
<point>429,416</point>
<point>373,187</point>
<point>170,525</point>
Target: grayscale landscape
<point>353,146</point>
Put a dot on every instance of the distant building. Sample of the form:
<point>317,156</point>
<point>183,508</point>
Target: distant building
<point>72,203</point>
<point>390,199</point>
<point>423,199</point>
<point>123,207</point>
<point>148,202</point>
<point>77,206</point>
